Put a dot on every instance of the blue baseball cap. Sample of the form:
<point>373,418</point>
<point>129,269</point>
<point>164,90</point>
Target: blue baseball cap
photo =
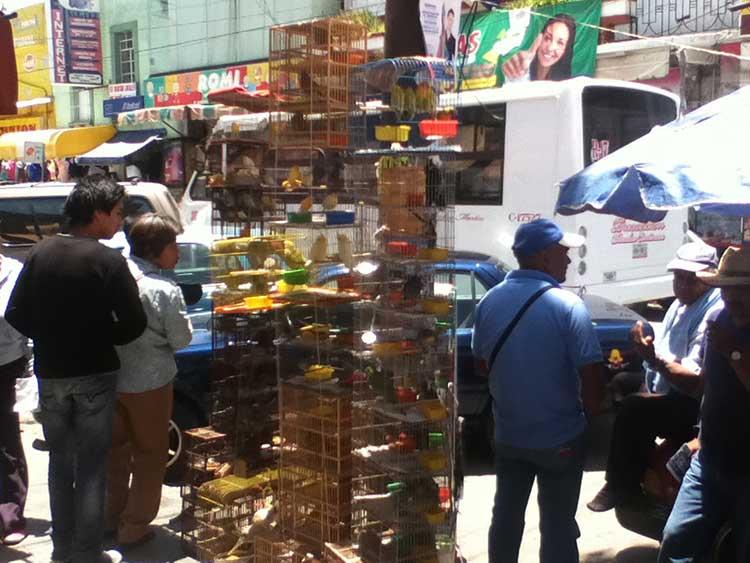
<point>535,236</point>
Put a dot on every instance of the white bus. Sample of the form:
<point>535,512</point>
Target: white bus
<point>519,141</point>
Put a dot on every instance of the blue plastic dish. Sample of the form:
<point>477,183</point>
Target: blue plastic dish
<point>340,217</point>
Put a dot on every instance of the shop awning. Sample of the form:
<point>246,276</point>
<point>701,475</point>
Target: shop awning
<point>257,101</point>
<point>177,113</point>
<point>121,147</point>
<point>58,143</point>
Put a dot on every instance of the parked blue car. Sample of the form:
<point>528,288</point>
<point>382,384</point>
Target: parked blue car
<point>474,275</point>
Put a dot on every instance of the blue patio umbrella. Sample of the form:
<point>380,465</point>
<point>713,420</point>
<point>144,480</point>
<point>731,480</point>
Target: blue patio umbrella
<point>701,159</point>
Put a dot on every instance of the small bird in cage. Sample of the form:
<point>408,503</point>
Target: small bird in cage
<point>267,203</point>
<point>306,204</point>
<point>345,250</point>
<point>319,249</point>
<point>330,202</point>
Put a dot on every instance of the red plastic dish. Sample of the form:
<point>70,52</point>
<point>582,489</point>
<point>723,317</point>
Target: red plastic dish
<point>438,127</point>
<point>401,248</point>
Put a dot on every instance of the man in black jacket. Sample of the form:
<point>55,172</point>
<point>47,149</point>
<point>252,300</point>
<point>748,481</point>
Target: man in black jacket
<point>76,299</point>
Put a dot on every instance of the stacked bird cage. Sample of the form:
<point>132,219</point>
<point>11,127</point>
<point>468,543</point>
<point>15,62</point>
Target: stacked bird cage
<point>207,454</point>
<point>404,404</point>
<point>310,68</point>
<point>315,491</point>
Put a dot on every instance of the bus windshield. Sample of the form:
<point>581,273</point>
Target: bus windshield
<point>614,117</point>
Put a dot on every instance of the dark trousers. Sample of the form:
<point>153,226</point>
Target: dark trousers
<point>14,475</point>
<point>558,472</point>
<point>640,420</point>
<point>76,415</point>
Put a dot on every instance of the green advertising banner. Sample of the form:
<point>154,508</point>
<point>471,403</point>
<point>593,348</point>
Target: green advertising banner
<point>504,46</point>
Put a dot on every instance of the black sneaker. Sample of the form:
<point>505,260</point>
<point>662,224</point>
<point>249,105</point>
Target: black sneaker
<point>605,499</point>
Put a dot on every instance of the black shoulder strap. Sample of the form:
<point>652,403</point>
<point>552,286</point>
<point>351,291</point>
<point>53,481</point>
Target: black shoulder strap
<point>508,329</point>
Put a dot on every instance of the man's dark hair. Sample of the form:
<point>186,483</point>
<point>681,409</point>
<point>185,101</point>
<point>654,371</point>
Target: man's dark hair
<point>91,194</point>
<point>451,12</point>
<point>150,235</point>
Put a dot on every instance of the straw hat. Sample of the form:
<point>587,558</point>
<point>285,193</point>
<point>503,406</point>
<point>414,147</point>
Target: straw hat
<point>734,269</point>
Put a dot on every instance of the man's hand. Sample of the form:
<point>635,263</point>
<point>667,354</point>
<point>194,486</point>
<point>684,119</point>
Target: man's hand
<point>644,345</point>
<point>518,65</point>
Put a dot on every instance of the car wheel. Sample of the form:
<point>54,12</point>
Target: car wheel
<point>184,417</point>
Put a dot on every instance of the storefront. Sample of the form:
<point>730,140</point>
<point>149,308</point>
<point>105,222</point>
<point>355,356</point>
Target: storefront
<point>186,129</point>
<point>37,155</point>
<point>58,143</point>
<point>129,154</point>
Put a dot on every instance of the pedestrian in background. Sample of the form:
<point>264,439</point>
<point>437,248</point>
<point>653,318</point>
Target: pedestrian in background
<point>76,299</point>
<point>538,345</point>
<point>716,487</point>
<point>144,389</point>
<point>668,406</point>
<point>14,475</point>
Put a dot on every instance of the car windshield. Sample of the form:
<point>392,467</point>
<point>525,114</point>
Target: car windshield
<point>27,220</point>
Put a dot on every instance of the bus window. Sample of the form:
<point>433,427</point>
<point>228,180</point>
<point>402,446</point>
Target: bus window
<point>614,117</point>
<point>480,168</point>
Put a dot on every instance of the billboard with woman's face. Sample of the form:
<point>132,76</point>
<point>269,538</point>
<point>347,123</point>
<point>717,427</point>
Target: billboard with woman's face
<point>553,43</point>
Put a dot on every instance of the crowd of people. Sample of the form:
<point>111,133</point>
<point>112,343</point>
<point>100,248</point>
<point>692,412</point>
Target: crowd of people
<point>104,331</point>
<point>696,380</point>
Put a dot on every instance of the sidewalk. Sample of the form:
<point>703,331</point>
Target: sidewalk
<point>37,548</point>
<point>602,540</point>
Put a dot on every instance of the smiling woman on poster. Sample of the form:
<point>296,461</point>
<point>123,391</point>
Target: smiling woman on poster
<point>549,57</point>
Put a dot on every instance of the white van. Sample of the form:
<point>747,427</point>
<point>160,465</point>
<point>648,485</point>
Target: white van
<point>518,142</point>
<point>32,211</point>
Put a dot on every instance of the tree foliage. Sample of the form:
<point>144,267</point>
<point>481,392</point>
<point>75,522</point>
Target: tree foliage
<point>373,23</point>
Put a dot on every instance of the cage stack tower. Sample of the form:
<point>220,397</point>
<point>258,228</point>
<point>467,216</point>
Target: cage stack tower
<point>404,498</point>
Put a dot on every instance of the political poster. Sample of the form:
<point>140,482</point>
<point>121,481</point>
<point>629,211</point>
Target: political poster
<point>440,23</point>
<point>76,42</point>
<point>555,42</point>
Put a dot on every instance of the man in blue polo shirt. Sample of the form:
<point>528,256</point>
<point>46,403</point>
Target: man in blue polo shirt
<point>544,380</point>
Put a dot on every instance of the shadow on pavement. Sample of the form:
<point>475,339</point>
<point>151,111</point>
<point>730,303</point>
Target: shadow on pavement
<point>164,548</point>
<point>38,527</point>
<point>15,554</point>
<point>638,554</point>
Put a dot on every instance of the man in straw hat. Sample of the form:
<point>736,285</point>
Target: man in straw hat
<point>716,488</point>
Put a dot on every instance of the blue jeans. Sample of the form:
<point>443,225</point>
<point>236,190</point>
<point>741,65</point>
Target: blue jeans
<point>76,416</point>
<point>705,502</point>
<point>558,472</point>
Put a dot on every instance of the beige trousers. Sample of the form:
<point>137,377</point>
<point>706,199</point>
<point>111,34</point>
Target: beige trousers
<point>139,449</point>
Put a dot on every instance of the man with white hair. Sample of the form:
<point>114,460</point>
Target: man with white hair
<point>669,407</point>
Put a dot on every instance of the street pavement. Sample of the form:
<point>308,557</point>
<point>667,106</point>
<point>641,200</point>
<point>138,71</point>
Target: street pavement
<point>602,540</point>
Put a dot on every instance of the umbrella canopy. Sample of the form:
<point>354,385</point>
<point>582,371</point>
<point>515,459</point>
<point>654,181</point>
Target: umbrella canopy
<point>697,160</point>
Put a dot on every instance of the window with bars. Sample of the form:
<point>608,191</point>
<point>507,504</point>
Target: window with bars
<point>125,56</point>
<point>164,5</point>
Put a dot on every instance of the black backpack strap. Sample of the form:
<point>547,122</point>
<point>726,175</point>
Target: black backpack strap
<point>508,329</point>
